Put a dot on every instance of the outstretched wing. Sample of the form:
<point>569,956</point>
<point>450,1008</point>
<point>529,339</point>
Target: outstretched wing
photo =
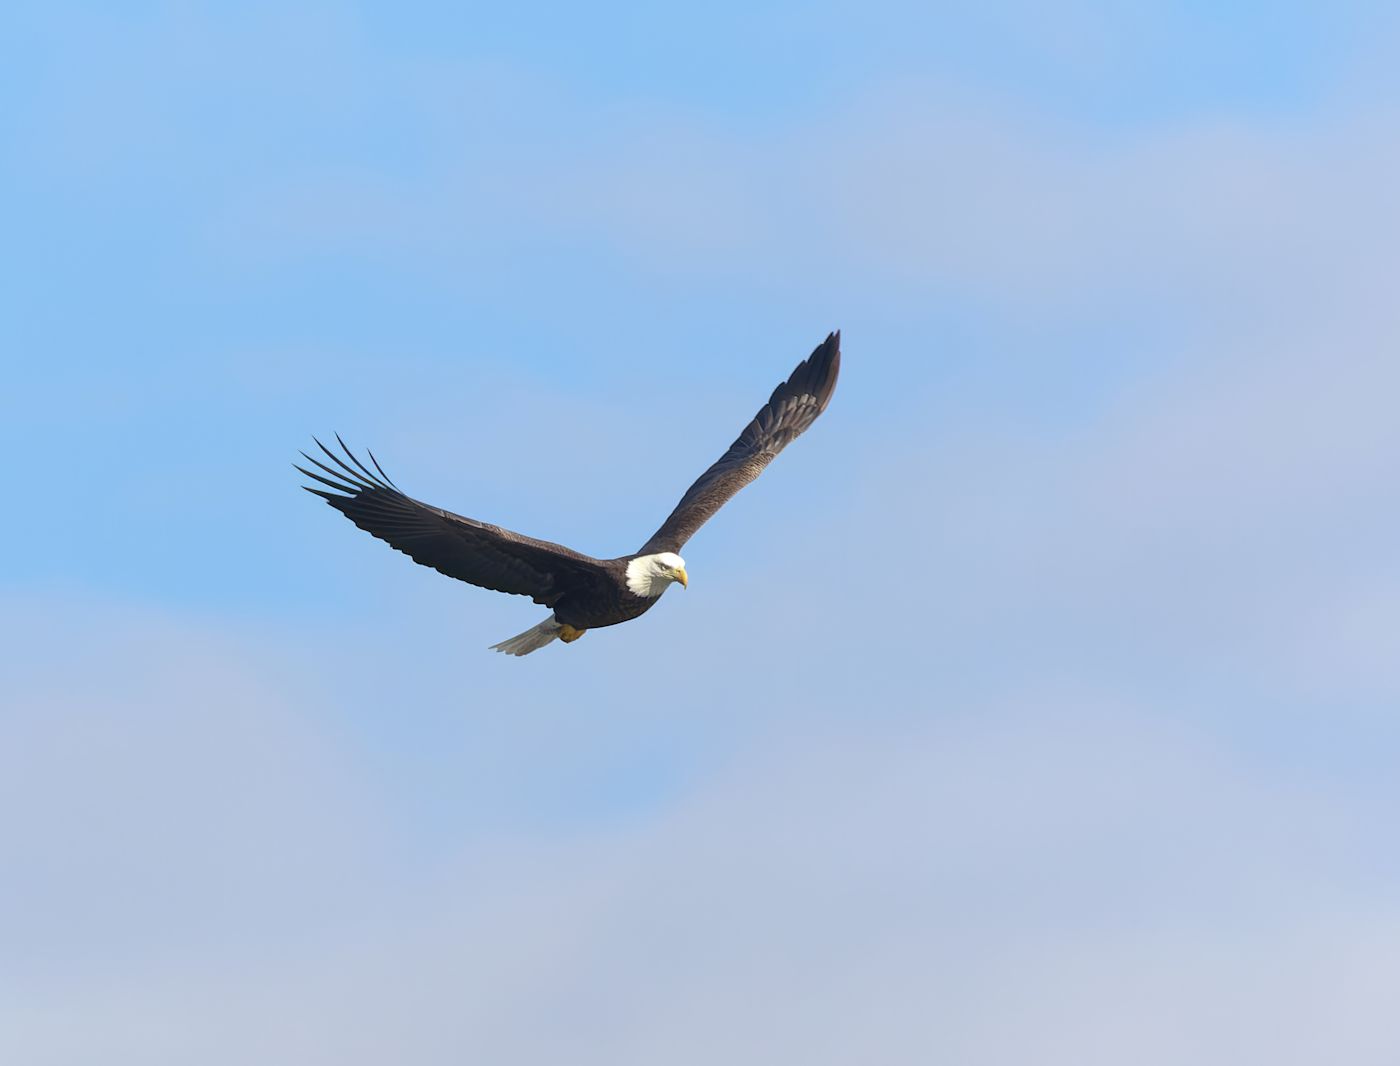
<point>794,405</point>
<point>459,547</point>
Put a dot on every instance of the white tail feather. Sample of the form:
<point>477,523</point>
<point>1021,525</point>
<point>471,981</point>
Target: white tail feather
<point>533,639</point>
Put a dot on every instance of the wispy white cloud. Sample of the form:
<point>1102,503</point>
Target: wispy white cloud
<point>913,183</point>
<point>1056,875</point>
<point>164,789</point>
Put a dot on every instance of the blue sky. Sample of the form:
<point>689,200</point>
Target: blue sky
<point>1039,705</point>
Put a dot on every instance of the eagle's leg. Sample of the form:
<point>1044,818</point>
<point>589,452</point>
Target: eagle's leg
<point>568,634</point>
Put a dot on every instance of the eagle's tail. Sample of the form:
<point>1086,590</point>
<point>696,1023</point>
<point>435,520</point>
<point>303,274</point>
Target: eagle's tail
<point>533,639</point>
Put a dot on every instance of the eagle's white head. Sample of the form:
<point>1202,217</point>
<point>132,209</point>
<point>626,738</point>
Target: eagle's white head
<point>651,575</point>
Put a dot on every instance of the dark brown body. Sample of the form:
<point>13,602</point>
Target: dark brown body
<point>603,602</point>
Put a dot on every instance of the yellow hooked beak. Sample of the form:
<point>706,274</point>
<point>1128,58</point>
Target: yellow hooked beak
<point>681,577</point>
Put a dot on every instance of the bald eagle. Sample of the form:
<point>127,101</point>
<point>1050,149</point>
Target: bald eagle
<point>584,593</point>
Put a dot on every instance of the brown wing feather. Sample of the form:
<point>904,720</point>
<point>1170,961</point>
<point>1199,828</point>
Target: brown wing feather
<point>794,405</point>
<point>471,551</point>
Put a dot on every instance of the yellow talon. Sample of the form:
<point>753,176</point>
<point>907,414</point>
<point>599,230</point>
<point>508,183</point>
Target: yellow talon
<point>568,634</point>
